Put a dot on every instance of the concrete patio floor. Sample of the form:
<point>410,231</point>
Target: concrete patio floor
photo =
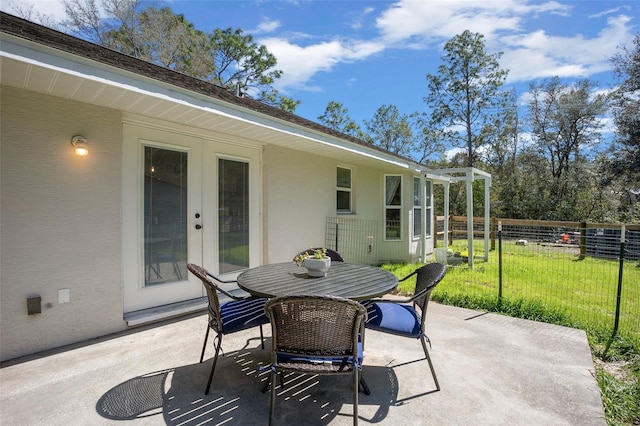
<point>493,370</point>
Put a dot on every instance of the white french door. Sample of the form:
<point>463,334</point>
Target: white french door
<point>231,200</point>
<point>185,200</point>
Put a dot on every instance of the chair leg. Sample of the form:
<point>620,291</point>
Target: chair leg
<point>215,360</point>
<point>176,270</point>
<point>272,405</point>
<point>356,389</point>
<point>267,384</point>
<point>204,346</point>
<point>426,352</point>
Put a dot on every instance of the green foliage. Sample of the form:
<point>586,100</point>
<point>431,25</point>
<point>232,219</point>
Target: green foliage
<point>336,117</point>
<point>627,111</point>
<point>623,164</point>
<point>465,94</point>
<point>617,358</point>
<point>318,253</point>
<point>226,57</point>
<point>285,103</point>
<point>391,130</point>
<point>539,296</point>
<point>564,123</point>
<point>240,62</point>
<point>620,396</point>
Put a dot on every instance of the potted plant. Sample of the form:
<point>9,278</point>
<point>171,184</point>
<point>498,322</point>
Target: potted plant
<point>315,261</point>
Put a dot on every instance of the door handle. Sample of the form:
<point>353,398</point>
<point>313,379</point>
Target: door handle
<point>198,226</point>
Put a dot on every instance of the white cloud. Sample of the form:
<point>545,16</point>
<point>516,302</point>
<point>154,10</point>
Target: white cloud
<point>50,9</point>
<point>608,126</point>
<point>540,55</point>
<point>359,20</point>
<point>267,26</point>
<point>609,12</point>
<point>422,25</point>
<point>529,53</point>
<point>450,153</point>
<point>442,19</point>
<point>301,63</point>
<point>405,24</point>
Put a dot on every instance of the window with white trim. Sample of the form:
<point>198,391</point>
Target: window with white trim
<point>417,208</point>
<point>343,190</point>
<point>393,207</point>
<point>428,190</point>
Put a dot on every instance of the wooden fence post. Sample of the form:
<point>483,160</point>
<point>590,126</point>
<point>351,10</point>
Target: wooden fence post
<point>494,221</point>
<point>583,240</point>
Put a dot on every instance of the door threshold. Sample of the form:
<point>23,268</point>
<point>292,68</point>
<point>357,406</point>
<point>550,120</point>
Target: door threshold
<point>158,313</point>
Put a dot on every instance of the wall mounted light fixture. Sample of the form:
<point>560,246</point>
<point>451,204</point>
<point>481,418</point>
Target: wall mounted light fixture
<point>80,144</point>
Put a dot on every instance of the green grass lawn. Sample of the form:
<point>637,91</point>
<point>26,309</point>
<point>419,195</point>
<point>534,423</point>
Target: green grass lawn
<point>579,293</point>
<point>550,283</point>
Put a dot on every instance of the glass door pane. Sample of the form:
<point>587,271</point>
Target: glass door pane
<point>233,215</point>
<point>165,214</point>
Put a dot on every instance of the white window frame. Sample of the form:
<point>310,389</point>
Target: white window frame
<point>388,207</point>
<point>345,189</point>
<point>417,207</point>
<point>428,188</point>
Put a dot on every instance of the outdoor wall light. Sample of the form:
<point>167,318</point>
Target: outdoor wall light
<point>80,144</point>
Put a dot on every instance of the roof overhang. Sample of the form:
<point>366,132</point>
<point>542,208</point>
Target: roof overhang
<point>33,66</point>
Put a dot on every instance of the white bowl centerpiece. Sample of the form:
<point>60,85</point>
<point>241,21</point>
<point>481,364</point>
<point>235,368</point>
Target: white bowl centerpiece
<point>315,261</point>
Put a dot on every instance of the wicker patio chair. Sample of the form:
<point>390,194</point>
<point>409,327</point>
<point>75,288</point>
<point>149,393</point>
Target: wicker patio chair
<point>334,255</point>
<point>401,317</point>
<point>229,317</point>
<point>315,335</point>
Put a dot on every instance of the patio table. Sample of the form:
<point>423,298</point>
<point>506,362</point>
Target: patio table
<point>356,282</point>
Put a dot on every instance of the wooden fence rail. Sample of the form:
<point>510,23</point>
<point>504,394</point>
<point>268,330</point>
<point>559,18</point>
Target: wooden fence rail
<point>580,231</point>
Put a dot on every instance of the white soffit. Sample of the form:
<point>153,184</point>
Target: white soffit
<point>41,69</point>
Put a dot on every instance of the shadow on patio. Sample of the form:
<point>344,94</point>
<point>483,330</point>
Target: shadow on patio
<point>177,395</point>
<point>492,369</point>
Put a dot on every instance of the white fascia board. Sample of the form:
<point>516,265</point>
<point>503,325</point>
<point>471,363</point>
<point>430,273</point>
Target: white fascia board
<point>462,170</point>
<point>437,177</point>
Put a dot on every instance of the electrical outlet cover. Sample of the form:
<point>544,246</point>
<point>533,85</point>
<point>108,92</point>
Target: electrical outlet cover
<point>63,295</point>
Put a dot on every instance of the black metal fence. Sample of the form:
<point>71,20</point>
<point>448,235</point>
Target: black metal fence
<point>352,238</point>
<point>587,272</point>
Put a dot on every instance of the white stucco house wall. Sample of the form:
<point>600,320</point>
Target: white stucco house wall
<point>178,170</point>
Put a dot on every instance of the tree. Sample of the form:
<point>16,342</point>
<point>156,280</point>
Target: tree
<point>620,170</point>
<point>161,37</point>
<point>625,161</point>
<point>27,11</point>
<point>285,103</point>
<point>465,97</point>
<point>428,141</point>
<point>500,158</point>
<point>564,122</point>
<point>391,130</point>
<point>225,57</point>
<point>241,63</point>
<point>336,117</point>
<point>91,21</point>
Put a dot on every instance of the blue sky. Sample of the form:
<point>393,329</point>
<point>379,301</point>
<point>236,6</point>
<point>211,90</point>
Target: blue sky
<point>365,54</point>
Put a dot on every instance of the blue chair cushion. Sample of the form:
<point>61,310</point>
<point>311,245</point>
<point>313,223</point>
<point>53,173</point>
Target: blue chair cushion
<point>394,318</point>
<point>295,358</point>
<point>242,314</point>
